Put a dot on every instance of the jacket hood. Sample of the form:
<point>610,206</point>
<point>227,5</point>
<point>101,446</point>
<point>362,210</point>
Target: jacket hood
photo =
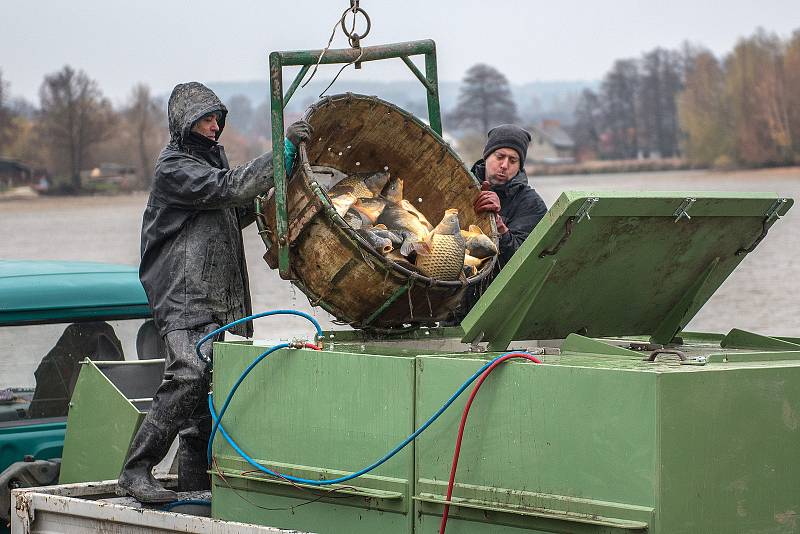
<point>511,187</point>
<point>188,103</point>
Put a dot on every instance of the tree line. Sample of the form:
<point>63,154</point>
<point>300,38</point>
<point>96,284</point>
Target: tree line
<point>740,110</point>
<point>75,127</point>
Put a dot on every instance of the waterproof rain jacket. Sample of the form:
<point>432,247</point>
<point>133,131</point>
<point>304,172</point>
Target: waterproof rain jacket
<point>193,266</point>
<point>521,208</point>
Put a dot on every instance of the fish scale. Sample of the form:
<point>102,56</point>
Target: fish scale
<point>446,260</point>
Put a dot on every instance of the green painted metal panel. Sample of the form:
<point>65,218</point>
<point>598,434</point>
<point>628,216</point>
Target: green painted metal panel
<point>100,426</point>
<point>578,343</point>
<point>61,291</point>
<point>741,339</point>
<point>589,442</point>
<point>43,439</point>
<point>607,264</point>
<point>316,415</point>
<point>541,440</point>
<point>728,450</point>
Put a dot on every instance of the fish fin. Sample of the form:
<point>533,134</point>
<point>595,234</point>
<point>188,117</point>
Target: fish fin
<point>475,229</point>
<point>423,247</point>
<point>407,247</point>
<point>380,227</point>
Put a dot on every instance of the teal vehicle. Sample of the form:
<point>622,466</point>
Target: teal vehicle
<point>53,314</point>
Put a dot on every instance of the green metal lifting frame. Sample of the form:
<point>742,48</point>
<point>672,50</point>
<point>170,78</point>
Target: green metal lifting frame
<point>307,58</point>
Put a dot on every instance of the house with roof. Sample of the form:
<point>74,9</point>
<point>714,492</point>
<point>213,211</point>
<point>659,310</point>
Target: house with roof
<point>551,144</point>
<point>14,173</point>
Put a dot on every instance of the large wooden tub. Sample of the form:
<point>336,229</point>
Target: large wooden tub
<point>330,262</point>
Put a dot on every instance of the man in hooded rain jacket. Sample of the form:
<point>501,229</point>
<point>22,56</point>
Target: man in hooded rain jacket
<point>194,273</point>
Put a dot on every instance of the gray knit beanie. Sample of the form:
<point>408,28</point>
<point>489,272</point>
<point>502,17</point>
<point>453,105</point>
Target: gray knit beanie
<point>508,136</point>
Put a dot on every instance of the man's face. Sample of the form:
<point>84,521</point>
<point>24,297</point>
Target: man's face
<point>502,165</point>
<point>207,126</point>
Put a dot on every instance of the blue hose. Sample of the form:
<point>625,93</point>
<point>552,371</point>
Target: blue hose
<point>250,367</point>
<point>218,426</point>
<point>250,318</point>
<point>185,502</point>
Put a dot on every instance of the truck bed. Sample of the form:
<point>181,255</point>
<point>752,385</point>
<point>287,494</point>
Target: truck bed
<point>91,507</point>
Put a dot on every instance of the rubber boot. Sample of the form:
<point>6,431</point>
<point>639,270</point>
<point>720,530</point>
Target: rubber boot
<point>193,452</point>
<point>174,406</point>
<point>149,446</point>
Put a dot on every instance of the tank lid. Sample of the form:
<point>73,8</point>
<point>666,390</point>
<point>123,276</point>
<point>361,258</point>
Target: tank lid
<point>621,264</point>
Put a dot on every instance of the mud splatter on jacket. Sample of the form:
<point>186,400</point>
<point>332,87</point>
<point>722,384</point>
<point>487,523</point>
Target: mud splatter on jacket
<point>193,266</point>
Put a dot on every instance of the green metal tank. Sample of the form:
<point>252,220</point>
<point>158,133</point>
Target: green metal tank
<point>629,425</point>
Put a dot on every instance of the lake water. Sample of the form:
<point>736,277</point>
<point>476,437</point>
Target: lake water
<point>761,295</point>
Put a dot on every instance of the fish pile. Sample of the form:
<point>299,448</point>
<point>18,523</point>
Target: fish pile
<point>373,205</point>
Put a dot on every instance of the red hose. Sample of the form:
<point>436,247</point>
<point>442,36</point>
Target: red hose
<point>464,415</point>
<point>311,346</point>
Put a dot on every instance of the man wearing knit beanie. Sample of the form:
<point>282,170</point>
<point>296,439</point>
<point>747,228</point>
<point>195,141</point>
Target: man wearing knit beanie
<point>506,193</point>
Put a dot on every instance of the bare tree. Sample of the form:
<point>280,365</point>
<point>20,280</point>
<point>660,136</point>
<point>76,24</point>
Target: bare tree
<point>704,112</point>
<point>620,91</point>
<point>661,81</point>
<point>791,68</point>
<point>74,116</point>
<point>588,122</point>
<point>485,100</point>
<point>755,83</point>
<point>6,115</point>
<point>145,118</point>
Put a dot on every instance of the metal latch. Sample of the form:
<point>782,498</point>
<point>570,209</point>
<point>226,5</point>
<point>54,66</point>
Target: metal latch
<point>683,209</point>
<point>475,346</point>
<point>585,208</point>
<point>773,210</point>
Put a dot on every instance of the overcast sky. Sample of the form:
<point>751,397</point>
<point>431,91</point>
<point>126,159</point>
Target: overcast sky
<point>164,42</point>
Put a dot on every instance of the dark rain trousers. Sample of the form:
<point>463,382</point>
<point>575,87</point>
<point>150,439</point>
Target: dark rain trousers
<point>180,407</point>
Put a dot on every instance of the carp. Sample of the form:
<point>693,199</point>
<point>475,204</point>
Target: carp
<point>393,191</point>
<point>472,264</point>
<point>445,258</point>
<point>343,201</point>
<point>402,261</point>
<point>478,244</point>
<point>370,208</point>
<point>408,206</point>
<point>397,217</point>
<point>355,220</point>
<point>381,244</point>
<point>362,185</point>
<point>381,231</point>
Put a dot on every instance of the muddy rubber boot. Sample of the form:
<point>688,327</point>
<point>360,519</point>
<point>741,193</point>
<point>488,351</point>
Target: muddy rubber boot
<point>193,452</point>
<point>176,406</point>
<point>138,482</point>
<point>149,446</point>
